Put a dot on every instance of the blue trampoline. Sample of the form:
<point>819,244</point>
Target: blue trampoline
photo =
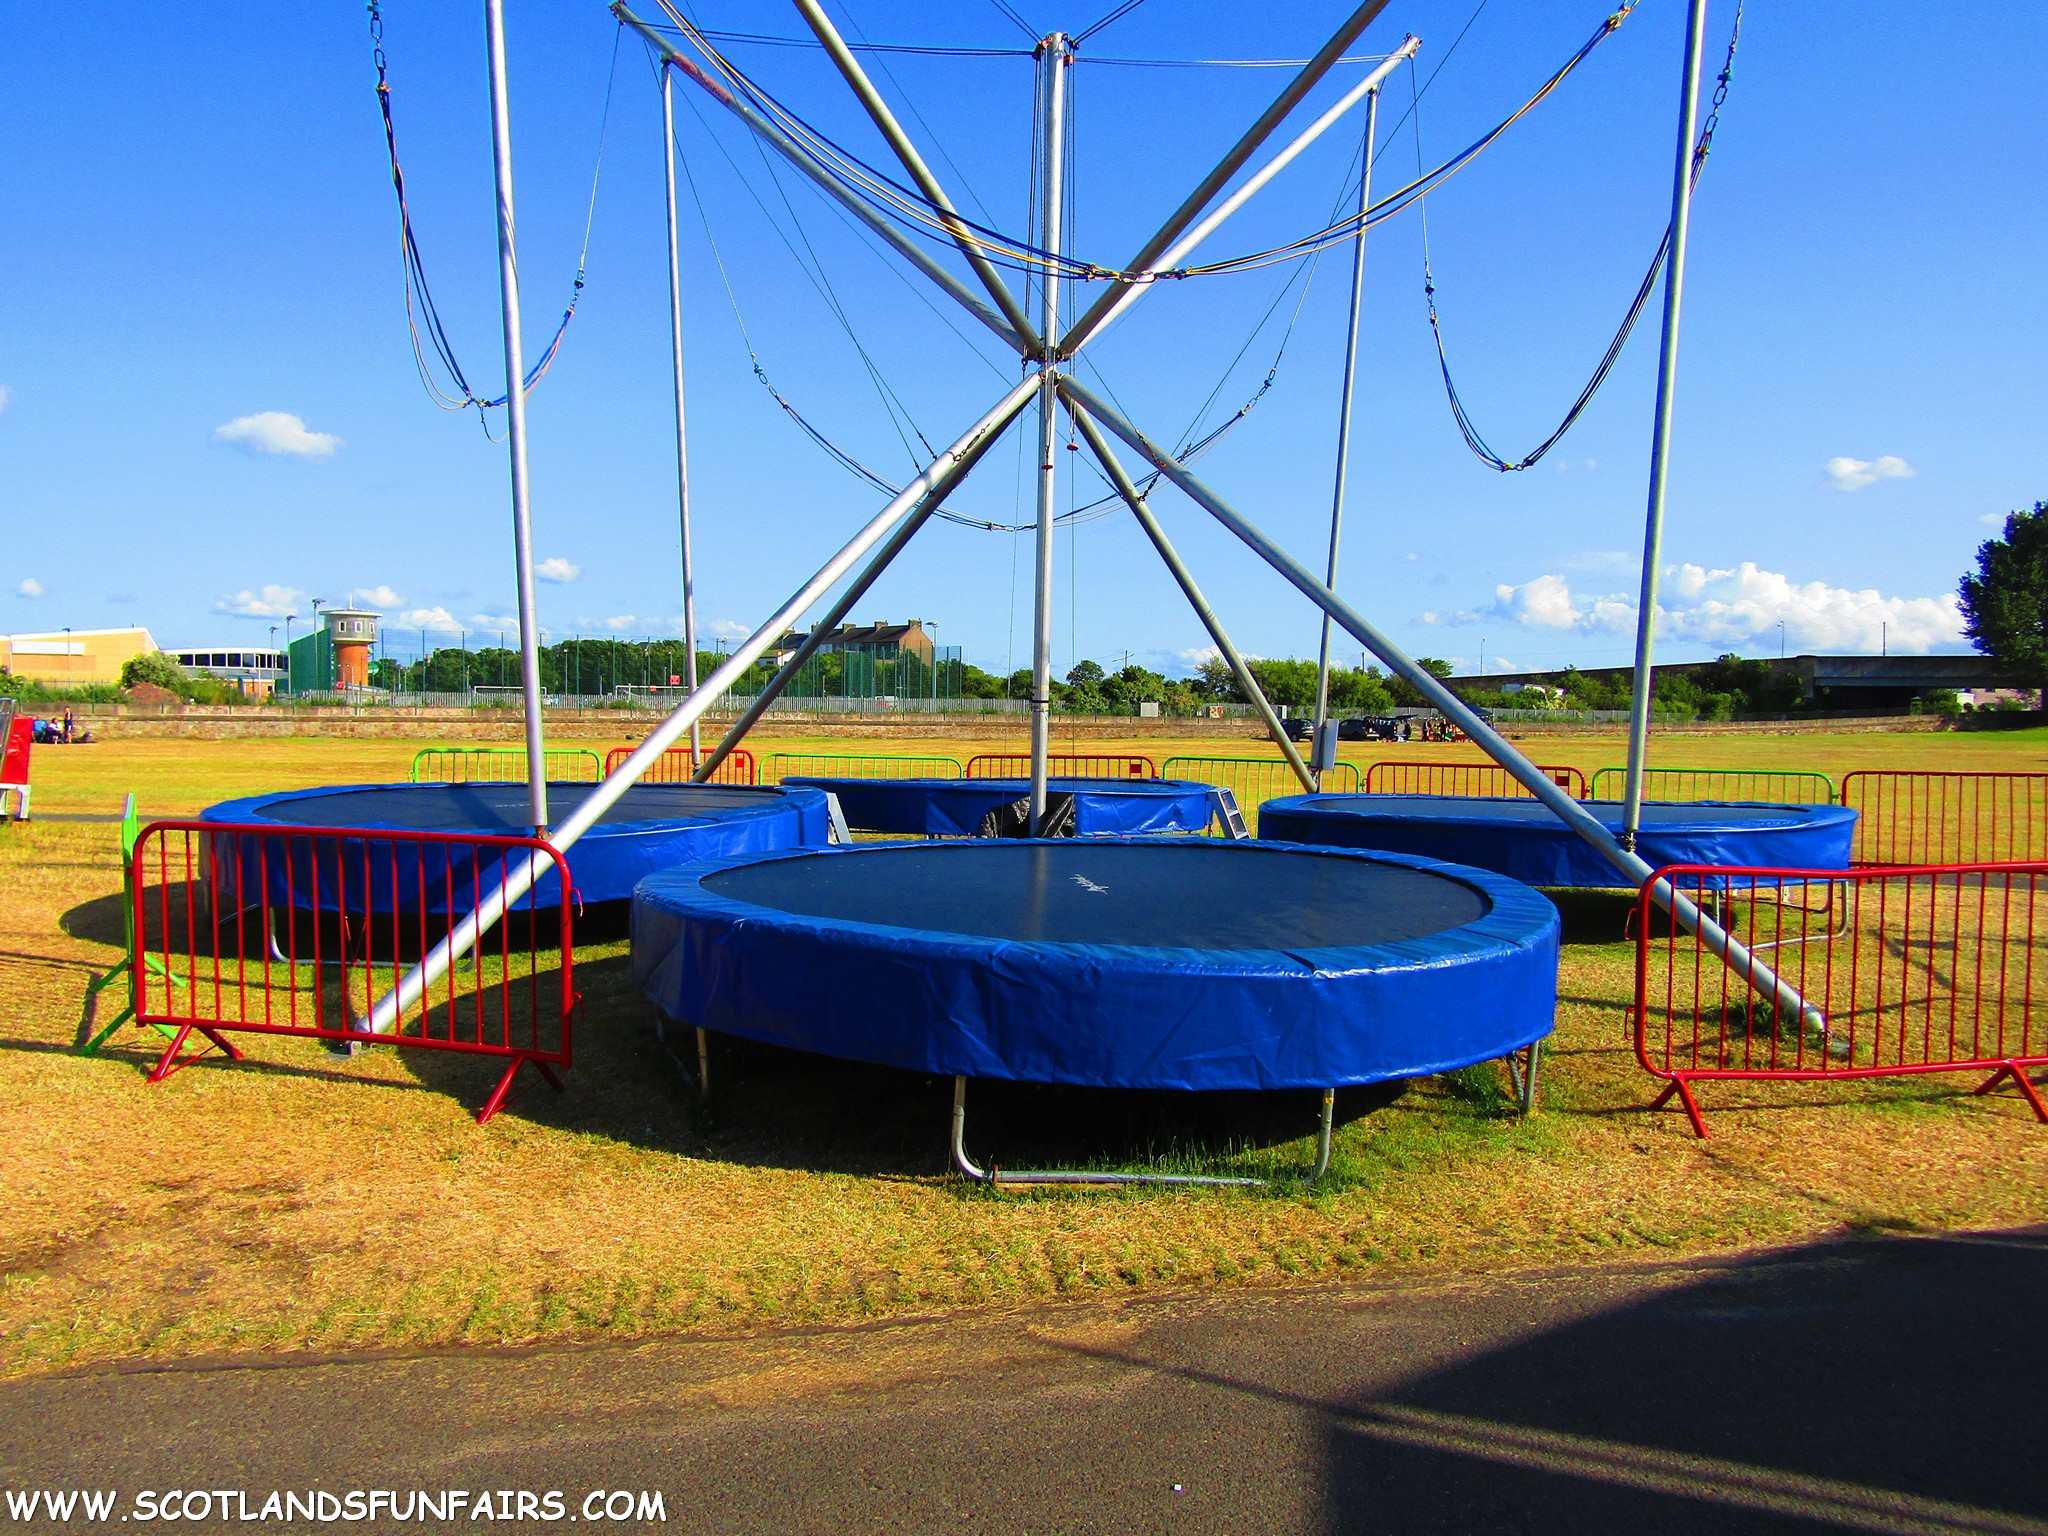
<point>961,807</point>
<point>652,827</point>
<point>1115,962</point>
<point>1526,841</point>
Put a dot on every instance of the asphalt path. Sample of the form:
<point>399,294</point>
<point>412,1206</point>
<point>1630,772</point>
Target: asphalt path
<point>1888,1384</point>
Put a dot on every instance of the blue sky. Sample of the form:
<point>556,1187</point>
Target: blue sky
<point>211,412</point>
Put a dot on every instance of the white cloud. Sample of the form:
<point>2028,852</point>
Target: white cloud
<point>379,597</point>
<point>556,568</point>
<point>1853,474</point>
<point>1195,657</point>
<point>273,602</point>
<point>30,587</point>
<point>1411,557</point>
<point>1993,520</point>
<point>620,621</point>
<point>508,622</point>
<point>427,618</point>
<point>277,432</point>
<point>6,396</point>
<point>1738,607</point>
<point>729,629</point>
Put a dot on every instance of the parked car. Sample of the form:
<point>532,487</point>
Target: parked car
<point>1298,728</point>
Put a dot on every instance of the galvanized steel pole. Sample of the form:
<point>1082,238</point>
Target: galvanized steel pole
<point>1660,435</point>
<point>1053,55</point>
<point>1372,118</point>
<point>675,326</point>
<point>515,423</point>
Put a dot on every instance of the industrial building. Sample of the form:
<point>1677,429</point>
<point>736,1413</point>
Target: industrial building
<point>72,658</point>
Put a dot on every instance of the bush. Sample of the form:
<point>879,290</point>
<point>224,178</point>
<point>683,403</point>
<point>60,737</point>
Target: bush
<point>155,667</point>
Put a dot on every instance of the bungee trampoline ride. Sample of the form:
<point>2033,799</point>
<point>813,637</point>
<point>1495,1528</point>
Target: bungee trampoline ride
<point>1081,807</point>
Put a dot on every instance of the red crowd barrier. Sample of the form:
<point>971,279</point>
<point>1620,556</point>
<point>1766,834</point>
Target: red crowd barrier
<point>673,766</point>
<point>1479,779</point>
<point>1904,970</point>
<point>1066,765</point>
<point>300,931</point>
<point>1911,817</point>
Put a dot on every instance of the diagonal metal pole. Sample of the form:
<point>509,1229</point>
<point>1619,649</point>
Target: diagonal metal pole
<point>1147,279</point>
<point>519,875</point>
<point>515,423</point>
<point>921,173</point>
<point>1053,55</point>
<point>1490,741</point>
<point>1372,119</point>
<point>675,325</point>
<point>1240,152</point>
<point>808,163</point>
<point>947,483</point>
<point>1135,500</point>
<point>1660,436</point>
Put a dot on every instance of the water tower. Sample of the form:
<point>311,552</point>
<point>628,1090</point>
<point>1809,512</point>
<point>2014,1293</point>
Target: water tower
<point>351,632</point>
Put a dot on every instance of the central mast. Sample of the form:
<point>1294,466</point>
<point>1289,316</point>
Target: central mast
<point>1055,53</point>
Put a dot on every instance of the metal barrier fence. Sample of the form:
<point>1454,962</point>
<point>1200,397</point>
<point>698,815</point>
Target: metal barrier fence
<point>300,931</point>
<point>1067,765</point>
<point>1254,780</point>
<point>1479,779</point>
<point>1947,818</point>
<point>502,765</point>
<point>1750,784</point>
<point>673,766</point>
<point>858,765</point>
<point>1904,970</point>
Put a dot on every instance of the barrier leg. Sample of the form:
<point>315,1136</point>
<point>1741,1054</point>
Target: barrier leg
<point>1682,1090</point>
<point>2012,1070</point>
<point>496,1101</point>
<point>171,1061</point>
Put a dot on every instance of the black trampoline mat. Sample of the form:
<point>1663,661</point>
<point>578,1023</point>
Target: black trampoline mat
<point>1189,895</point>
<point>1607,812</point>
<point>501,808</point>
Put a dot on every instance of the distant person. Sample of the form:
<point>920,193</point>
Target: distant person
<point>70,726</point>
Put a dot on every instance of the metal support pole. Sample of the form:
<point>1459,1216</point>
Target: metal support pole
<point>806,162</point>
<point>515,424</point>
<point>675,325</point>
<point>1249,685</point>
<point>1229,165</point>
<point>1372,118</point>
<point>519,875</point>
<point>1167,260</point>
<point>1052,55</point>
<point>921,173</point>
<point>1455,709</point>
<point>1660,434</point>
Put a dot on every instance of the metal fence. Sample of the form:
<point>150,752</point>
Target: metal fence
<point>1067,765</point>
<point>1904,971</point>
<point>1772,786</point>
<point>1478,779</point>
<point>503,765</point>
<point>300,931</point>
<point>859,765</point>
<point>1947,818</point>
<point>1252,781</point>
<point>674,766</point>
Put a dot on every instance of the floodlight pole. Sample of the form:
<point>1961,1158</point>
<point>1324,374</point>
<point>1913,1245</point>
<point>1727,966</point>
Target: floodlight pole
<point>1053,56</point>
<point>1135,500</point>
<point>675,326</point>
<point>520,874</point>
<point>1490,741</point>
<point>1322,715</point>
<point>515,422</point>
<point>1660,434</point>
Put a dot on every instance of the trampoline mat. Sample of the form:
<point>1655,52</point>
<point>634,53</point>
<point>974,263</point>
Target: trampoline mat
<point>1608,812</point>
<point>1172,896</point>
<point>501,808</point>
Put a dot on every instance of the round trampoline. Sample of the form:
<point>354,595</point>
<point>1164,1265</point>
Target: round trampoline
<point>1526,841</point>
<point>1116,962</point>
<point>653,826</point>
<point>962,807</point>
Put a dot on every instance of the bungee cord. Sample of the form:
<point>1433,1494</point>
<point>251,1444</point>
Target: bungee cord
<point>1467,429</point>
<point>421,311</point>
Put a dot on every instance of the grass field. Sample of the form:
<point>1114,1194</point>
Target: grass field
<point>300,1201</point>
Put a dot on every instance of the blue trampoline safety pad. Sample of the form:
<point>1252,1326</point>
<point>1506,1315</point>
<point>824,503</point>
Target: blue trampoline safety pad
<point>955,807</point>
<point>1188,963</point>
<point>651,827</point>
<point>1526,841</point>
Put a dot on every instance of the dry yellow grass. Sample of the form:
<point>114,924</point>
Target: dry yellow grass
<point>304,1202</point>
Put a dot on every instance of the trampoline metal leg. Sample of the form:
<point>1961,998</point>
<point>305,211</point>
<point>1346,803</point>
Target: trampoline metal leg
<point>703,1067</point>
<point>994,1176</point>
<point>1325,1135</point>
<point>1522,1075</point>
